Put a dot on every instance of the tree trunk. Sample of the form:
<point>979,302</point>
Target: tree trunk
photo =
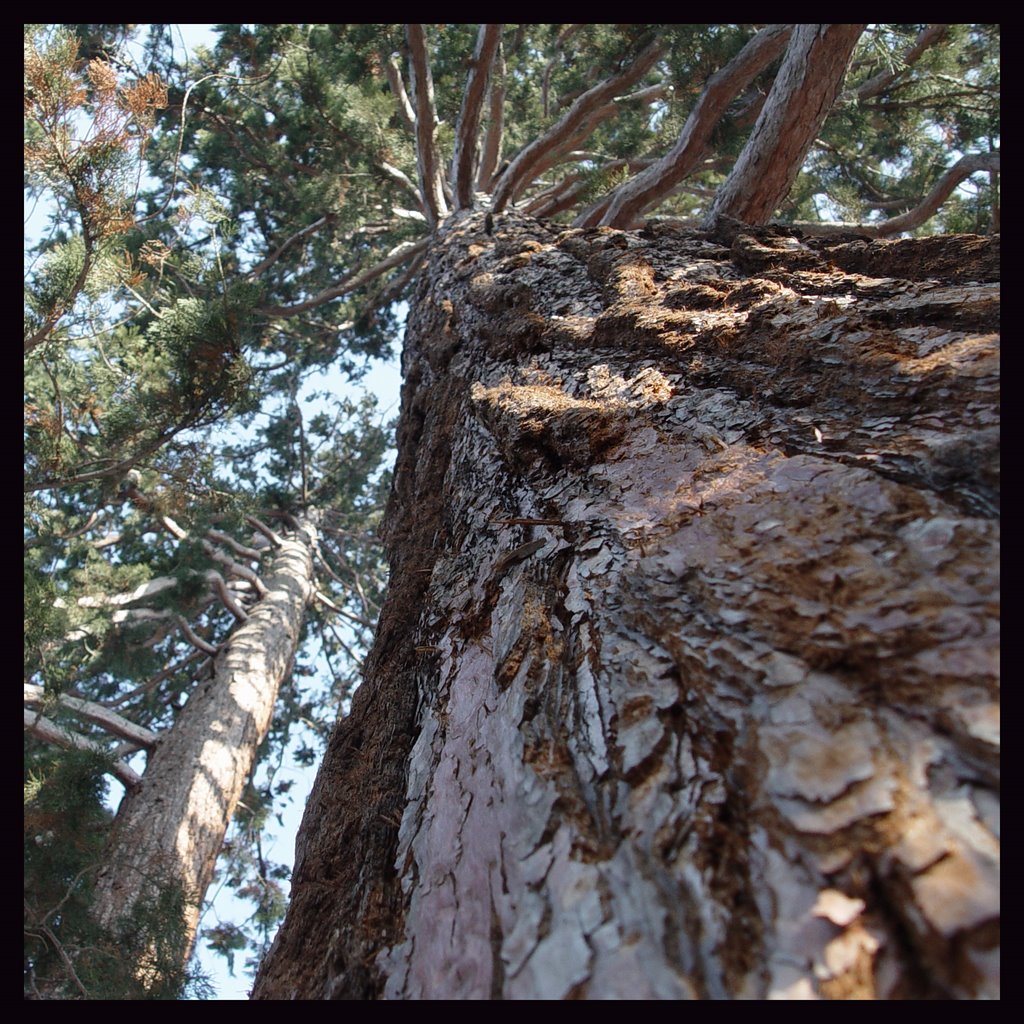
<point>686,684</point>
<point>799,101</point>
<point>169,831</point>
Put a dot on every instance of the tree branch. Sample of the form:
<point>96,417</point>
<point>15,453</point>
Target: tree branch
<point>545,82</point>
<point>98,714</point>
<point>264,264</point>
<point>235,568</point>
<point>963,168</point>
<point>61,308</point>
<point>431,184</point>
<point>928,36</point>
<point>566,193</point>
<point>495,124</point>
<point>227,599</point>
<point>394,72</point>
<point>260,527</point>
<point>194,639</point>
<point>801,97</point>
<point>397,285</point>
<point>240,549</point>
<point>151,684</point>
<point>403,179</point>
<point>630,199</point>
<point>577,122</point>
<point>50,732</point>
<point>351,283</point>
<point>469,116</point>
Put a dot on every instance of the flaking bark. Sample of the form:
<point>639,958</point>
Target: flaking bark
<point>686,683</point>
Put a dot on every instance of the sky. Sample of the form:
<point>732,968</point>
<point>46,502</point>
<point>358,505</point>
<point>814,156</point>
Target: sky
<point>383,380</point>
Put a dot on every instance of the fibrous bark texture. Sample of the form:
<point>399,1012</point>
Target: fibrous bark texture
<point>687,682</point>
<point>800,99</point>
<point>170,829</point>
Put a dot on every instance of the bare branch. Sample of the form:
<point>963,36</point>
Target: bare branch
<point>395,287</point>
<point>235,568</point>
<point>275,255</point>
<point>351,283</point>
<point>403,179</point>
<point>928,36</point>
<point>963,168</point>
<point>431,184</point>
<point>227,599</point>
<point>401,213</point>
<point>172,528</point>
<point>495,124</point>
<point>238,548</point>
<point>394,72</point>
<point>65,959</point>
<point>566,193</point>
<point>648,95</point>
<point>50,732</point>
<point>152,683</point>
<point>630,199</point>
<point>260,527</point>
<point>469,116</point>
<point>145,590</point>
<point>193,638</point>
<point>575,125</point>
<point>97,713</point>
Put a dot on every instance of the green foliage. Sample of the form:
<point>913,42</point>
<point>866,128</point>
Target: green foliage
<point>66,954</point>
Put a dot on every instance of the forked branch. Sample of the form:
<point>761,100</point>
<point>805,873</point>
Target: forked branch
<point>630,199</point>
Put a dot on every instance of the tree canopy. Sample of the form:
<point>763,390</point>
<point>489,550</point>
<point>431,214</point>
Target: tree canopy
<point>222,226</point>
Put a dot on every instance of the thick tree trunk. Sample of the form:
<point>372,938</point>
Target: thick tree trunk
<point>169,831</point>
<point>686,685</point>
<point>801,97</point>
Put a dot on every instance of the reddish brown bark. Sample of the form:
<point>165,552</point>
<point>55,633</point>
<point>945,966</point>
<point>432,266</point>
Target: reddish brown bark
<point>687,683</point>
<point>800,99</point>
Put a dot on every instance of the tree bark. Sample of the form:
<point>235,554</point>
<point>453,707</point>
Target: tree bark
<point>466,146</point>
<point>428,161</point>
<point>170,829</point>
<point>634,196</point>
<point>801,97</point>
<point>686,683</point>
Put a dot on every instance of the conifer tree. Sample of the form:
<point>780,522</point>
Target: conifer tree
<point>304,176</point>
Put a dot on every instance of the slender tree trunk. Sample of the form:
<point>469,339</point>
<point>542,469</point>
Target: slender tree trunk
<point>686,684</point>
<point>169,830</point>
<point>800,99</point>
